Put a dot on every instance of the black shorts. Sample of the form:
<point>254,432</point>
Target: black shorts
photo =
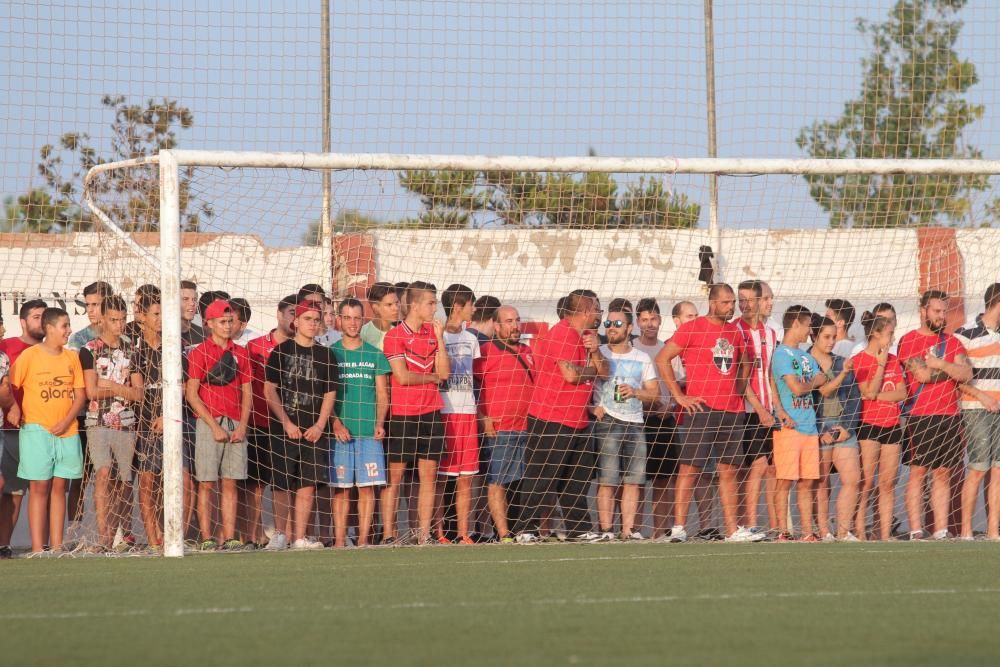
<point>259,456</point>
<point>415,438</point>
<point>661,446</point>
<point>296,464</point>
<point>713,434</point>
<point>758,440</point>
<point>9,460</point>
<point>936,441</point>
<point>883,435</point>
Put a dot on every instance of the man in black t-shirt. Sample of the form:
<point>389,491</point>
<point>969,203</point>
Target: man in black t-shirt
<point>300,388</point>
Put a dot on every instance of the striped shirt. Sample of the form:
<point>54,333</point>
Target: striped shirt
<point>760,343</point>
<point>983,347</point>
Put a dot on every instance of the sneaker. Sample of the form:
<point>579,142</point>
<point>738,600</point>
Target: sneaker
<point>233,544</point>
<point>850,537</point>
<point>6,552</point>
<point>306,544</point>
<point>118,540</point>
<point>634,536</point>
<point>278,542</point>
<point>551,538</point>
<point>443,540</point>
<point>942,535</point>
<point>589,536</point>
<point>916,535</point>
<point>744,534</point>
<point>967,538</point>
<point>606,536</point>
<point>708,534</point>
<point>784,537</point>
<point>525,538</point>
<point>506,539</point>
<point>829,537</point>
<point>678,535</point>
<point>388,541</point>
<point>208,545</point>
<point>465,539</point>
<point>809,538</point>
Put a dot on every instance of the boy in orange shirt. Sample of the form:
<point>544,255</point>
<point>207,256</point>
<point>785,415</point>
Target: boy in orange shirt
<point>52,381</point>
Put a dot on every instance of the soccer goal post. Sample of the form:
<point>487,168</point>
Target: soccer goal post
<point>530,229</point>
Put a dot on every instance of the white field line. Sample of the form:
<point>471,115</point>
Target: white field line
<point>540,602</point>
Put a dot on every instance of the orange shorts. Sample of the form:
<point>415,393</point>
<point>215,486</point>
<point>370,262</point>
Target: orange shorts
<point>796,455</point>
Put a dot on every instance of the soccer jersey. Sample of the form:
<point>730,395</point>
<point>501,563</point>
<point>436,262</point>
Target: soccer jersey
<point>4,372</point>
<point>458,394</point>
<point>553,399</point>
<point>802,409</point>
<point>632,368</point>
<point>372,335</point>
<point>112,363</point>
<point>936,398</point>
<point>505,376</point>
<point>711,354</point>
<point>759,343</point>
<point>874,412</point>
<point>259,349</point>
<point>983,347</point>
<point>49,383</point>
<point>356,395</point>
<point>303,376</point>
<point>221,400</point>
<point>13,347</point>
<point>419,350</point>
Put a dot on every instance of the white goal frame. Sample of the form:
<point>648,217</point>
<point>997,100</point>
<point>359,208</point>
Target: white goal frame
<point>168,260</point>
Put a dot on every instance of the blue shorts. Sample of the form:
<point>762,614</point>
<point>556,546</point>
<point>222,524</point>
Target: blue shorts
<point>357,462</point>
<point>621,452</point>
<point>828,424</point>
<point>504,457</point>
<point>44,456</point>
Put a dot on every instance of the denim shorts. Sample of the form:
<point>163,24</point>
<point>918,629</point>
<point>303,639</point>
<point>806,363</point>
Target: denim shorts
<point>504,457</point>
<point>827,424</point>
<point>982,432</point>
<point>621,452</point>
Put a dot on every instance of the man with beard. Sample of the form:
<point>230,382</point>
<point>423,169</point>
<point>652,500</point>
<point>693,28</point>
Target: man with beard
<point>936,363</point>
<point>505,375</point>
<point>714,357</point>
<point>618,430</point>
<point>13,486</point>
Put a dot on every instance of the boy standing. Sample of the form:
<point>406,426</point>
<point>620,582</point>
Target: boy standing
<point>218,391</point>
<point>359,424</point>
<point>51,380</point>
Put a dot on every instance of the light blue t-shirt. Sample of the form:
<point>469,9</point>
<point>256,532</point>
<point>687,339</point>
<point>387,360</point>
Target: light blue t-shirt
<point>632,368</point>
<point>793,361</point>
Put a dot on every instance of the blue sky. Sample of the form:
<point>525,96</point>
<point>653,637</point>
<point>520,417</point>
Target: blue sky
<point>546,77</point>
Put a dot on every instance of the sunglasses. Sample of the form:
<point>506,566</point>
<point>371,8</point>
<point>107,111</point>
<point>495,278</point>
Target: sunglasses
<point>614,323</point>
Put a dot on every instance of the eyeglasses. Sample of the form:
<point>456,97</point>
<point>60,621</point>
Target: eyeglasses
<point>614,323</point>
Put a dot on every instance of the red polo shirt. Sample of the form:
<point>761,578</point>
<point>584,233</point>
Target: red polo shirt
<point>553,399</point>
<point>505,385</point>
<point>221,401</point>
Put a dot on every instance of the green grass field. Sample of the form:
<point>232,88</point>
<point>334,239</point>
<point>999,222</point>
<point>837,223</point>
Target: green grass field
<point>614,604</point>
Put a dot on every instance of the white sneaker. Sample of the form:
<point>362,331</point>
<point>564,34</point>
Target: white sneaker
<point>526,538</point>
<point>589,536</point>
<point>850,537</point>
<point>744,534</point>
<point>277,542</point>
<point>941,535</point>
<point>306,544</point>
<point>607,536</point>
<point>678,535</point>
<point>633,536</point>
<point>829,537</point>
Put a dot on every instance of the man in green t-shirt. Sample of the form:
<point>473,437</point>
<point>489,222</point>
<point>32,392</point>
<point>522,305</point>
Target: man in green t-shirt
<point>359,422</point>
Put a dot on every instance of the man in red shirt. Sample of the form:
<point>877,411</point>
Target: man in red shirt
<point>936,363</point>
<point>419,361</point>
<point>13,486</point>
<point>505,375</point>
<point>560,460</point>
<point>714,357</point>
<point>259,436</point>
<point>218,391</point>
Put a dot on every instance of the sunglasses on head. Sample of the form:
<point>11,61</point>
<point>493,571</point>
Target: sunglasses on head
<point>614,323</point>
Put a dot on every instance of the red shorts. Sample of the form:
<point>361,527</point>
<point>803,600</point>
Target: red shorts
<point>461,446</point>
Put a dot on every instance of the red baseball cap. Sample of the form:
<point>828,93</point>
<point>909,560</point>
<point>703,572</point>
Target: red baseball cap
<point>218,308</point>
<point>305,307</point>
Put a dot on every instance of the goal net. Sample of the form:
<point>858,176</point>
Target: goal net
<point>524,233</point>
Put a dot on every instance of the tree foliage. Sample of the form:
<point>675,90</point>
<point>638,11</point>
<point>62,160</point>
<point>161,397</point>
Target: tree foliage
<point>347,221</point>
<point>130,197</point>
<point>460,199</point>
<point>910,106</point>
